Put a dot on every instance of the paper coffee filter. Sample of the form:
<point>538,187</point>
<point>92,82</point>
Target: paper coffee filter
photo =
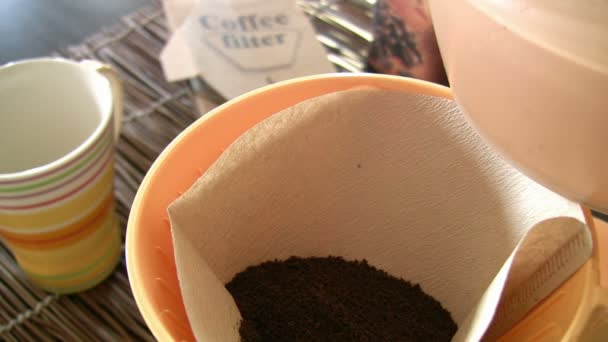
<point>399,179</point>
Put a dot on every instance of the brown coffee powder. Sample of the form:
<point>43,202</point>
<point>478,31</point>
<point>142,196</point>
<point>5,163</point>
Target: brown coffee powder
<point>331,299</point>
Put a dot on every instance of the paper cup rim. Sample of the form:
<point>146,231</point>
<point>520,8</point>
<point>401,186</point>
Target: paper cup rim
<point>23,175</point>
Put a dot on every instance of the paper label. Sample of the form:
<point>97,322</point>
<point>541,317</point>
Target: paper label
<point>238,46</point>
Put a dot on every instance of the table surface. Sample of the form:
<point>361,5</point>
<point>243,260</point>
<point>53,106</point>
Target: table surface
<point>33,28</point>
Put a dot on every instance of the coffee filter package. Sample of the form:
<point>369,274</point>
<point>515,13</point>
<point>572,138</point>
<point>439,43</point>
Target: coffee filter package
<point>398,179</point>
<point>240,45</point>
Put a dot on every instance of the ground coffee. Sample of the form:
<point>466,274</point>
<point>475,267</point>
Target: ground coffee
<point>331,299</point>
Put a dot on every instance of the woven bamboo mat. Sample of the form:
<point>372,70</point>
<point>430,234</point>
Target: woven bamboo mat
<point>155,111</point>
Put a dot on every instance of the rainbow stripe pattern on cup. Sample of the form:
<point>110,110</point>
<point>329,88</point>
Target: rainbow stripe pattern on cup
<point>60,224</point>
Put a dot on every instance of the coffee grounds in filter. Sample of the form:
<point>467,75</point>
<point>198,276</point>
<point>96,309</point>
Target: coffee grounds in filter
<point>331,299</point>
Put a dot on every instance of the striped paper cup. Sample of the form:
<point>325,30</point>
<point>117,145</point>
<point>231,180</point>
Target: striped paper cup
<point>59,120</point>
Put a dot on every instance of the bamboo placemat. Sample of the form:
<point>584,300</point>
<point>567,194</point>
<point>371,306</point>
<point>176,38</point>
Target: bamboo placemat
<point>155,111</point>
